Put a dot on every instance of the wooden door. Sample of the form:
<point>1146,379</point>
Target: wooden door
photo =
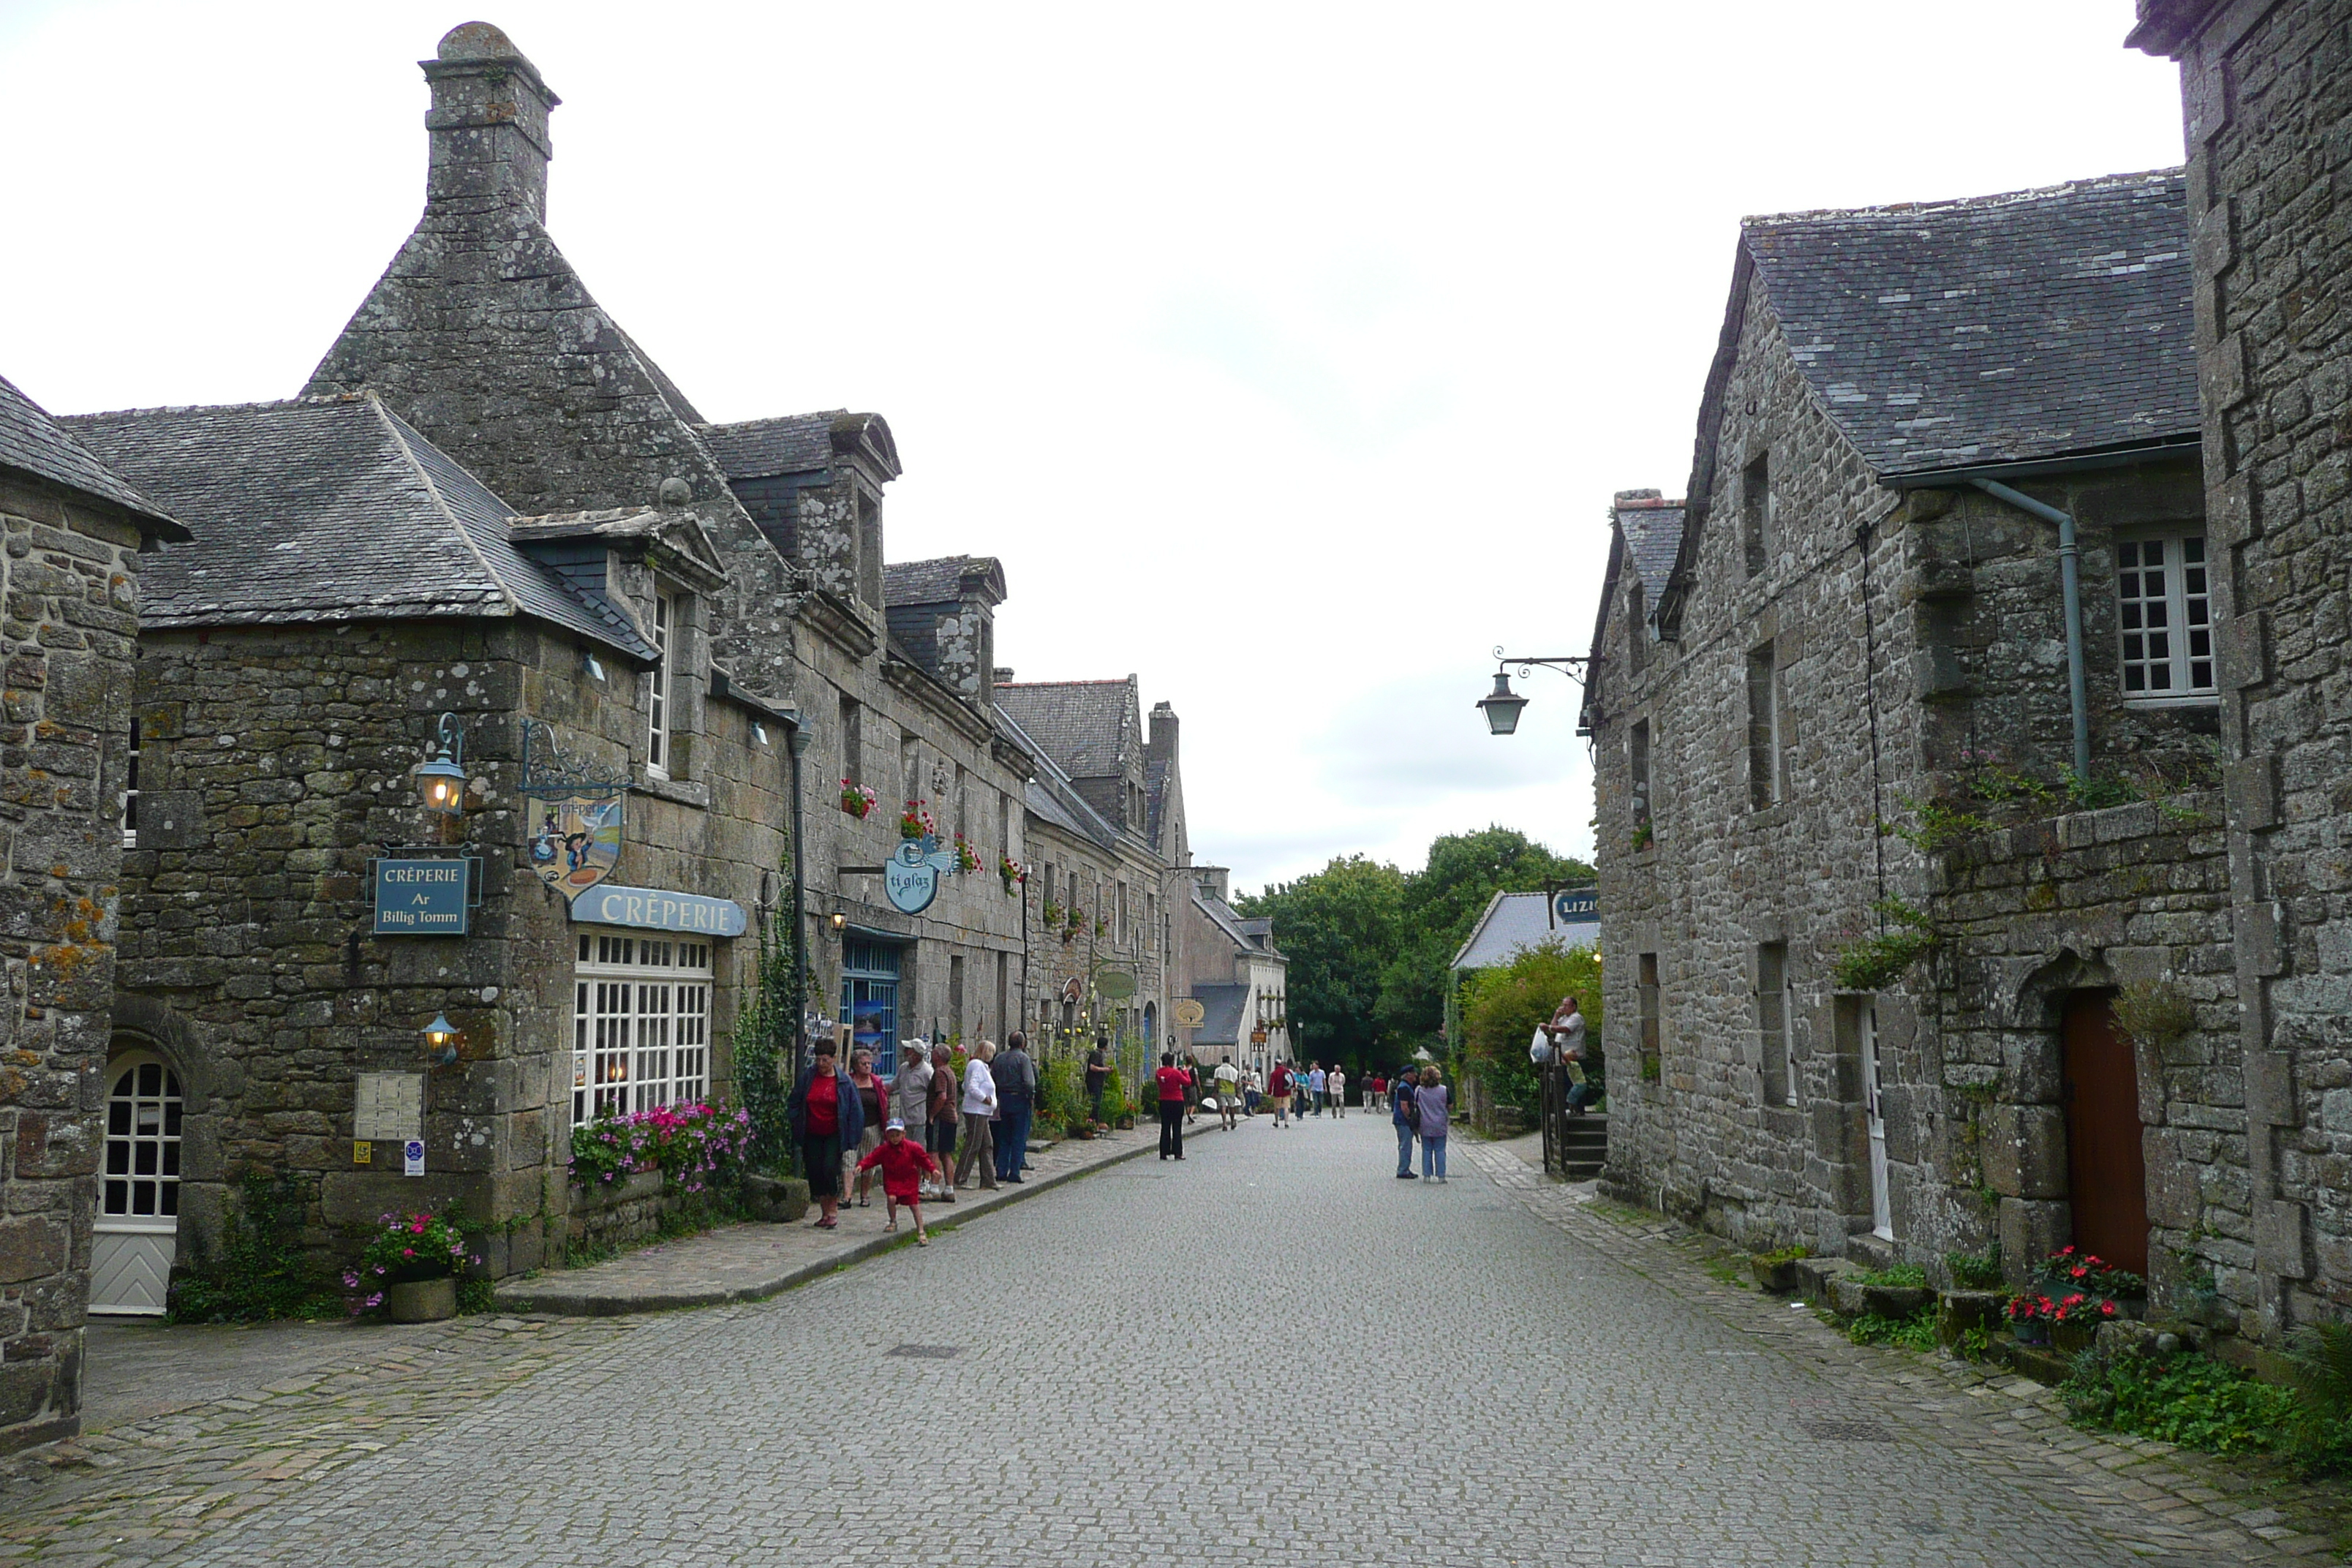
<point>2107,1172</point>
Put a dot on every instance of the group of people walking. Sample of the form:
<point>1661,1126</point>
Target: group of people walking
<point>924,1130</point>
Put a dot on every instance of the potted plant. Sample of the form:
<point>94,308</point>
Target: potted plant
<point>1014,874</point>
<point>857,799</point>
<point>966,858</point>
<point>410,1269</point>
<point>1052,914</point>
<point>917,822</point>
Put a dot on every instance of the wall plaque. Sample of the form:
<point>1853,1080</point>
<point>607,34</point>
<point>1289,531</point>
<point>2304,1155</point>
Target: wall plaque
<point>422,898</point>
<point>390,1108</point>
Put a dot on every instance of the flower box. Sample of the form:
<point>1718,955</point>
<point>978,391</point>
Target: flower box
<point>421,1301</point>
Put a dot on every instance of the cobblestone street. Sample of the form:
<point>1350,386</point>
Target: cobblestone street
<point>1247,1358</point>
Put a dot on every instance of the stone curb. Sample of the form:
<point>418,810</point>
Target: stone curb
<point>550,1295</point>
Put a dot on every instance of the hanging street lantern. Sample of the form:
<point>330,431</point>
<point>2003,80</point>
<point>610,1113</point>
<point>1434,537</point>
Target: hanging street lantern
<point>1502,706</point>
<point>442,781</point>
<point>441,1039</point>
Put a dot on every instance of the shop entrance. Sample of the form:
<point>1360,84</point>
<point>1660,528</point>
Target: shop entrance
<point>869,998</point>
<point>137,1229</point>
<point>2107,1171</point>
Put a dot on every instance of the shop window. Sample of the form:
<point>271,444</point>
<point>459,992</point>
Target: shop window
<point>1775,1024</point>
<point>869,999</point>
<point>640,1023</point>
<point>658,705</point>
<point>2164,617</point>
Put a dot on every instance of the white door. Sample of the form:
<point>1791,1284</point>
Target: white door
<point>1882,1219</point>
<point>138,1227</point>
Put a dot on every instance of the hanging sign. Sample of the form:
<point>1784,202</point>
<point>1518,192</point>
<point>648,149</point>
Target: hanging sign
<point>575,841</point>
<point>1189,1014</point>
<point>1114,984</point>
<point>652,908</point>
<point>421,897</point>
<point>1572,906</point>
<point>910,877</point>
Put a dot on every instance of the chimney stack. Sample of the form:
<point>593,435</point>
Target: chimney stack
<point>1163,744</point>
<point>488,125</point>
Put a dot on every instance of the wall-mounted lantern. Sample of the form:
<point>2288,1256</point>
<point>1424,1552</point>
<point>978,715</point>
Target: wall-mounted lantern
<point>441,1039</point>
<point>442,781</point>
<point>1502,705</point>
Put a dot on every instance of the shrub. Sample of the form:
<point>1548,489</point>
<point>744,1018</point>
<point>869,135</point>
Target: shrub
<point>1897,1276</point>
<point>1916,1332</point>
<point>256,1269</point>
<point>1501,1007</point>
<point>1872,963</point>
<point>1061,1093</point>
<point>2320,1436</point>
<point>2185,1398</point>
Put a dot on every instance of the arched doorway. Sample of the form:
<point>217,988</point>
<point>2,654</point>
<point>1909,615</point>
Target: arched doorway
<point>2107,1171</point>
<point>137,1232</point>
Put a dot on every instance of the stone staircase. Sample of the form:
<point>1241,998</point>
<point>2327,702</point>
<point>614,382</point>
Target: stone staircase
<point>1584,1146</point>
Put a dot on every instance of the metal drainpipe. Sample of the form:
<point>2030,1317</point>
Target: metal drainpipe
<point>2071,590</point>
<point>795,743</point>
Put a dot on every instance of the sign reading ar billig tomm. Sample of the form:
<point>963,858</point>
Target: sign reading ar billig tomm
<point>422,898</point>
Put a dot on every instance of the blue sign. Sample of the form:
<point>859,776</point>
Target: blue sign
<point>651,909</point>
<point>910,877</point>
<point>1573,905</point>
<point>421,897</point>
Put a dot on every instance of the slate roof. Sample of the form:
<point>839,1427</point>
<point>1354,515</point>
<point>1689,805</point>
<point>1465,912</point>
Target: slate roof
<point>32,441</point>
<point>1997,328</point>
<point>1512,923</point>
<point>327,509</point>
<point>1048,794</point>
<point>1222,1006</point>
<point>1251,935</point>
<point>1081,724</point>
<point>1652,527</point>
<point>761,448</point>
<point>942,581</point>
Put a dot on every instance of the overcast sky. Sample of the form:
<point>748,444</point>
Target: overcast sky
<point>1286,354</point>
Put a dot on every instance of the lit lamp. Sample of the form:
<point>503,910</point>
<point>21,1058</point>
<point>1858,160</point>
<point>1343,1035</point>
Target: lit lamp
<point>441,1041</point>
<point>442,781</point>
<point>1502,706</point>
<point>840,921</point>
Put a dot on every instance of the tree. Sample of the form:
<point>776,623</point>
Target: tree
<point>1501,1007</point>
<point>1441,902</point>
<point>1339,926</point>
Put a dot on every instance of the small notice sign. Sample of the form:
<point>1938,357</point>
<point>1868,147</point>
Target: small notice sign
<point>390,1107</point>
<point>412,1155</point>
<point>362,1152</point>
<point>421,897</point>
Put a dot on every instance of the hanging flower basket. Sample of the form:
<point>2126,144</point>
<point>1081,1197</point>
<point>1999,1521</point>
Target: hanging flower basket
<point>917,822</point>
<point>857,799</point>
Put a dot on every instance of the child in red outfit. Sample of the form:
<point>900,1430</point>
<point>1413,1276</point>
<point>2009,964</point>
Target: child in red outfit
<point>904,1164</point>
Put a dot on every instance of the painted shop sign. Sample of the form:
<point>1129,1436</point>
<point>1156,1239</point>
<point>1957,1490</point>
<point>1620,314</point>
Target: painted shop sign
<point>910,877</point>
<point>576,841</point>
<point>652,908</point>
<point>422,898</point>
<point>1571,905</point>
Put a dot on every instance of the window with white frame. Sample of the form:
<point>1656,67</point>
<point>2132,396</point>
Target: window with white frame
<point>130,791</point>
<point>640,1023</point>
<point>657,710</point>
<point>2164,617</point>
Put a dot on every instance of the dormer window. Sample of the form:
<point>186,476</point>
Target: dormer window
<point>658,710</point>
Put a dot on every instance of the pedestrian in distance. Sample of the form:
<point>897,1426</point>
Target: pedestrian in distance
<point>873,1110</point>
<point>1429,1103</point>
<point>1317,1083</point>
<point>946,1104</point>
<point>1252,1090</point>
<point>1016,1092</point>
<point>1401,1112</point>
<point>1192,1088</point>
<point>1277,1090</point>
<point>1338,1089</point>
<point>1229,1092</point>
<point>822,1111</point>
<point>1173,1081</point>
<point>1566,1032</point>
<point>1098,1080</point>
<point>978,1125</point>
<point>1380,1093</point>
<point>902,1162</point>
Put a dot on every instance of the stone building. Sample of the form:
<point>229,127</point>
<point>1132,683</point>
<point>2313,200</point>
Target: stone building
<point>1906,753</point>
<point>69,577</point>
<point>1232,969</point>
<point>2267,94</point>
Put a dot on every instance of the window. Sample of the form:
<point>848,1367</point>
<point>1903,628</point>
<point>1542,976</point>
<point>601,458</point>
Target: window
<point>1637,642</point>
<point>1775,1024</point>
<point>1119,938</point>
<point>130,791</point>
<point>658,710</point>
<point>640,1023</point>
<point>869,999</point>
<point>1637,764</point>
<point>1647,983</point>
<point>142,1140</point>
<point>1765,769</point>
<point>2164,617</point>
<point>910,772</point>
<point>1003,991</point>
<point>853,750</point>
<point>955,994</point>
<point>1755,513</point>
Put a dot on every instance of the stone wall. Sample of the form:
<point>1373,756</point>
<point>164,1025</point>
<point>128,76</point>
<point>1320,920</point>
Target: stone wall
<point>2267,91</point>
<point>69,625</point>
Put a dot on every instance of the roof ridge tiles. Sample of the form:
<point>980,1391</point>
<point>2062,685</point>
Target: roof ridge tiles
<point>1988,202</point>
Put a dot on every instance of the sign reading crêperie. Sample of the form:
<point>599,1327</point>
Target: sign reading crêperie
<point>421,897</point>
<point>651,909</point>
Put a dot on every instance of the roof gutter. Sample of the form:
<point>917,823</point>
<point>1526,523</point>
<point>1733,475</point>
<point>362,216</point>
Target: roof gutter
<point>2033,467</point>
<point>2070,589</point>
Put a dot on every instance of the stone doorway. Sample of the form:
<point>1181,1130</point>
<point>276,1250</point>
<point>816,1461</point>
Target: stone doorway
<point>2106,1171</point>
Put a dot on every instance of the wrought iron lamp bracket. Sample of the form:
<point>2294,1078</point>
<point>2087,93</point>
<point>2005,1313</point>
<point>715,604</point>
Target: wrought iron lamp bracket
<point>549,773</point>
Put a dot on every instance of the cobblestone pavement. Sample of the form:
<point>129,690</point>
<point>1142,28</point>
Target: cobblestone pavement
<point>1244,1359</point>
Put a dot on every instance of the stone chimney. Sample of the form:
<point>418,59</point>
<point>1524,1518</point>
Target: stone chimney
<point>1004,676</point>
<point>488,125</point>
<point>1161,746</point>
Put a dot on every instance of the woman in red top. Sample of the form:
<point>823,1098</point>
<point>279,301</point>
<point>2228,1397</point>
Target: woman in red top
<point>1173,1081</point>
<point>824,1109</point>
<point>904,1164</point>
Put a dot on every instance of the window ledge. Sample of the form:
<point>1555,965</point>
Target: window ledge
<point>694,795</point>
<point>1769,816</point>
<point>2194,700</point>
